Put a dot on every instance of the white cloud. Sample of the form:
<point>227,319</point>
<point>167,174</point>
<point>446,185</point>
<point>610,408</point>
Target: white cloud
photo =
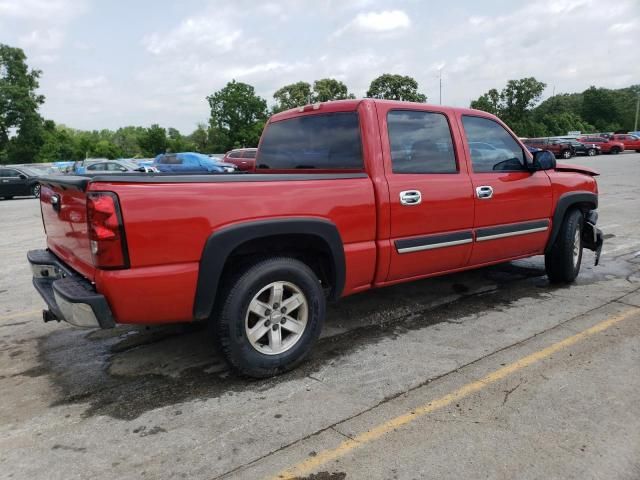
<point>49,39</point>
<point>49,10</point>
<point>204,33</point>
<point>377,22</point>
<point>624,27</point>
<point>382,21</point>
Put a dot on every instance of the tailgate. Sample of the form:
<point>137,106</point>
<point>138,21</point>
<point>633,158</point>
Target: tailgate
<point>64,214</point>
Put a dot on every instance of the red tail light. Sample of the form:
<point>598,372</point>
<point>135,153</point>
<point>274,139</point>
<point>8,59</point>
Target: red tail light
<point>106,231</point>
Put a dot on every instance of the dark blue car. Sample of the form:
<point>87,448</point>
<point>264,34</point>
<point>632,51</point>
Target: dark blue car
<point>190,162</point>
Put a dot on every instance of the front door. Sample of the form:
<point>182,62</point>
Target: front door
<point>512,204</point>
<point>431,201</point>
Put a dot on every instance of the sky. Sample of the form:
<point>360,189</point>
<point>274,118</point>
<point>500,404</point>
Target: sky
<point>107,64</point>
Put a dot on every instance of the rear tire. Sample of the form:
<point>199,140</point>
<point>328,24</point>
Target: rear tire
<point>35,190</point>
<point>563,260</point>
<point>591,152</point>
<point>615,151</point>
<point>270,317</point>
<point>566,154</point>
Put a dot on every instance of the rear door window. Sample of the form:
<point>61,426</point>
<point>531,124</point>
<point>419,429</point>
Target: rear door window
<point>325,141</point>
<point>420,142</point>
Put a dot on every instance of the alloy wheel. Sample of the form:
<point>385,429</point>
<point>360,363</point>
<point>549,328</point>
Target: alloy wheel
<point>276,318</point>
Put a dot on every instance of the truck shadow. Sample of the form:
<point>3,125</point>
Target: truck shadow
<point>127,371</point>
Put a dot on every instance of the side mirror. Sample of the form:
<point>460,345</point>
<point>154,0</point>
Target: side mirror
<point>22,176</point>
<point>543,160</point>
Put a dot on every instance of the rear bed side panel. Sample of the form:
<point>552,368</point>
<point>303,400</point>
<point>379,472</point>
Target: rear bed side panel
<point>67,234</point>
<point>167,225</point>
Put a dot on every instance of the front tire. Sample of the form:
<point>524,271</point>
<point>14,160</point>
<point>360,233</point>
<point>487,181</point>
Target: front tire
<point>566,154</point>
<point>615,151</point>
<point>563,260</point>
<point>35,190</point>
<point>591,152</point>
<point>271,317</point>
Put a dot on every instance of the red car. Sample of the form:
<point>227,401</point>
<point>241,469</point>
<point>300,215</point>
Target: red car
<point>630,142</point>
<point>559,148</point>
<point>243,158</point>
<point>348,196</point>
<point>606,146</point>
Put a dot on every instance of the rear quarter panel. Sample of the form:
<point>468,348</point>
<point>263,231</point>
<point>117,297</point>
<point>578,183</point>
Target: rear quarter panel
<point>167,226</point>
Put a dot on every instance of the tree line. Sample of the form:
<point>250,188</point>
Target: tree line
<point>593,110</point>
<point>238,115</point>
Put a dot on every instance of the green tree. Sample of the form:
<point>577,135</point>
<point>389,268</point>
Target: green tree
<point>199,138</point>
<point>19,103</point>
<point>327,89</point>
<point>291,96</point>
<point>127,139</point>
<point>176,142</point>
<point>237,118</point>
<point>600,109</point>
<point>58,143</point>
<point>514,105</point>
<point>395,87</point>
<point>488,102</point>
<point>153,141</point>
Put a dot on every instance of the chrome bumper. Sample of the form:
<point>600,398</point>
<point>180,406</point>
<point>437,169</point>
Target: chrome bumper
<point>69,296</point>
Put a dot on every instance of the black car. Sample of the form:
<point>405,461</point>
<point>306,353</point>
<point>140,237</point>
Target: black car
<point>19,181</point>
<point>580,148</point>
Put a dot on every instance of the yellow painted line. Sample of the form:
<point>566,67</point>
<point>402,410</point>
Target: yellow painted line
<point>11,316</point>
<point>309,465</point>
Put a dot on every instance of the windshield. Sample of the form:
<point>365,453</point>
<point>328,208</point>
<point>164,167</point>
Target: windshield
<point>31,171</point>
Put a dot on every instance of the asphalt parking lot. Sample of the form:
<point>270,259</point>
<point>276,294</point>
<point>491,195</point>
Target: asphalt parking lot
<point>492,373</point>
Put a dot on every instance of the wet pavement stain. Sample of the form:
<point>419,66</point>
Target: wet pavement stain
<point>80,365</point>
<point>324,476</point>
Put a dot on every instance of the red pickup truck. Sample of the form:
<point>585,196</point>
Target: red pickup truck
<point>347,196</point>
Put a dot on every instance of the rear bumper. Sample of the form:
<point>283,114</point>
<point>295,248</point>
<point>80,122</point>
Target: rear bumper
<point>69,296</point>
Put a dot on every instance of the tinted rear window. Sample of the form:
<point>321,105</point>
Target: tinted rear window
<point>328,141</point>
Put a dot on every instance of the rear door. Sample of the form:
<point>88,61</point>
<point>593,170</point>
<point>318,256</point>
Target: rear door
<point>512,204</point>
<point>431,201</point>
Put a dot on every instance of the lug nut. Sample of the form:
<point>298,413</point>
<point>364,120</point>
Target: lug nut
<point>282,321</point>
<point>267,312</point>
<point>283,310</point>
<point>275,327</point>
<point>267,323</point>
<point>276,305</point>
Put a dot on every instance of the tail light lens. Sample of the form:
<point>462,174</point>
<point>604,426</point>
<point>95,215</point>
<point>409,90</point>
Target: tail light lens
<point>106,231</point>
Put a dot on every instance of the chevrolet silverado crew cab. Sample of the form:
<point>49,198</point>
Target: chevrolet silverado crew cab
<point>347,196</point>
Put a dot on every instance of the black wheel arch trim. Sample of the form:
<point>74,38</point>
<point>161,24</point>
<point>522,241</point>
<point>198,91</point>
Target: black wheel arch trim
<point>565,202</point>
<point>223,242</point>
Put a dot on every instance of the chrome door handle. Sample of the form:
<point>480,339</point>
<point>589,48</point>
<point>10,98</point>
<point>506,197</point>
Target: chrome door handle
<point>411,197</point>
<point>484,192</point>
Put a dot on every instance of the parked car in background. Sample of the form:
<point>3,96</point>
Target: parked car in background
<point>243,158</point>
<point>557,147</point>
<point>580,148</point>
<point>19,181</point>
<point>115,166</point>
<point>606,145</point>
<point>630,142</point>
<point>191,162</point>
